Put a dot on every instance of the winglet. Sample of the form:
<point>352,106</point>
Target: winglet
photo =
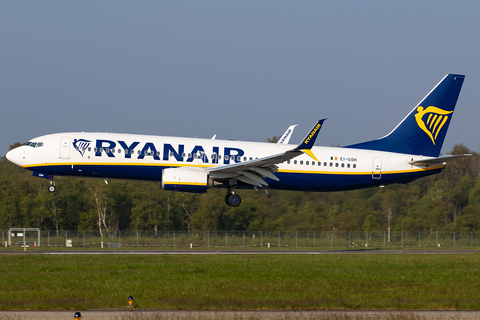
<point>287,135</point>
<point>309,140</point>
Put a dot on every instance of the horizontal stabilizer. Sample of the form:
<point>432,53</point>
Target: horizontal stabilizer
<point>437,160</point>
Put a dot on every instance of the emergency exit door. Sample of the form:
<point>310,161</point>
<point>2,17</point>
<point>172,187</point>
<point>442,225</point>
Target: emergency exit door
<point>377,168</point>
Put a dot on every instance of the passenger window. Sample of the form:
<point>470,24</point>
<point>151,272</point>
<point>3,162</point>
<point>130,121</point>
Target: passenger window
<point>343,165</point>
<point>89,149</point>
<point>158,153</point>
<point>324,164</point>
<point>219,156</point>
<point>294,161</point>
<point>301,161</point>
<point>336,164</point>
<point>107,150</point>
<point>354,166</point>
<point>95,149</point>
<point>244,158</point>
<point>138,152</point>
<point>331,164</point>
<point>319,164</point>
<point>213,156</point>
<point>239,158</point>
<point>40,144</point>
<point>348,165</point>
<point>119,150</point>
<point>307,163</point>
<point>171,154</point>
<point>251,158</point>
<point>288,161</point>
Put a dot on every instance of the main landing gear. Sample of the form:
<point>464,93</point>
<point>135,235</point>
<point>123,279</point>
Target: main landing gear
<point>51,187</point>
<point>232,199</point>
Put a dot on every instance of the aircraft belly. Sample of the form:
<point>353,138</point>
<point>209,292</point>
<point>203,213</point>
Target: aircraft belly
<point>153,173</point>
<point>337,182</point>
<point>287,180</point>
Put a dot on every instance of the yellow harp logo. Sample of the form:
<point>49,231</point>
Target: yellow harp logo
<point>434,122</point>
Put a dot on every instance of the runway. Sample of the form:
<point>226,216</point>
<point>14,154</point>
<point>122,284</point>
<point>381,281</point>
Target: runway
<point>237,252</point>
<point>237,315</point>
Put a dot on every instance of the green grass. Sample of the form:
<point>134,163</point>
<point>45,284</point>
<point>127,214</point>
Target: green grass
<point>230,282</point>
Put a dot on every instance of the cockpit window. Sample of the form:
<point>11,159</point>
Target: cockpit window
<point>34,144</point>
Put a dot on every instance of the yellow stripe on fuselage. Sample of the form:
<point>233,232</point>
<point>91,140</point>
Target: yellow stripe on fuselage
<point>117,164</point>
<point>211,165</point>
<point>185,183</point>
<point>360,173</point>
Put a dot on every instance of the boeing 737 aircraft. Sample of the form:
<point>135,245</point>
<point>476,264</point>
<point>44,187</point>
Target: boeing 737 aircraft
<point>409,152</point>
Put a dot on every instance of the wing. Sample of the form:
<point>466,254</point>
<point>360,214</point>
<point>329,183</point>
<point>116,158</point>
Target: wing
<point>254,171</point>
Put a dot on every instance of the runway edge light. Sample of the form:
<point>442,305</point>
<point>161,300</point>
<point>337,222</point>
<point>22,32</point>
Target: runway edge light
<point>77,316</point>
<point>130,301</point>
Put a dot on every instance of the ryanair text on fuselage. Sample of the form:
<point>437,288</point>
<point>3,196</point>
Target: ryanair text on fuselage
<point>167,153</point>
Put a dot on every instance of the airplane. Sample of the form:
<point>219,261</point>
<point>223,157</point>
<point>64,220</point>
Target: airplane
<point>410,151</point>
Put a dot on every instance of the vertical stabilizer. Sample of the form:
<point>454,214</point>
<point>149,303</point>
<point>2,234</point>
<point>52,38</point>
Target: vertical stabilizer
<point>423,130</point>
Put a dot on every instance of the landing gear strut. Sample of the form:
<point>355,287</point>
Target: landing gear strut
<point>232,199</point>
<point>51,187</point>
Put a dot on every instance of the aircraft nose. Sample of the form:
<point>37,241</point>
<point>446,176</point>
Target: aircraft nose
<point>14,155</point>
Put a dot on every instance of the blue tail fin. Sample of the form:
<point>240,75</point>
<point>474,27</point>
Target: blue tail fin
<point>423,131</point>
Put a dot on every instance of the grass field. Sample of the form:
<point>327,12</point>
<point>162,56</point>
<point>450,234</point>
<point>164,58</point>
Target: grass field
<point>230,282</point>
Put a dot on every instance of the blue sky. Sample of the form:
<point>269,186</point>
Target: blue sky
<point>242,70</point>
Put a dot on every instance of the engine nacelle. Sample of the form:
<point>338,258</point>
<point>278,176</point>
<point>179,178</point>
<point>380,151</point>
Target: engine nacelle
<point>185,180</point>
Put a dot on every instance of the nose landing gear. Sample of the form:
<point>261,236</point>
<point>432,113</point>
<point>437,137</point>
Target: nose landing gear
<point>51,187</point>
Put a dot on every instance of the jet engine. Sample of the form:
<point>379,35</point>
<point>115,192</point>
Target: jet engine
<point>185,180</point>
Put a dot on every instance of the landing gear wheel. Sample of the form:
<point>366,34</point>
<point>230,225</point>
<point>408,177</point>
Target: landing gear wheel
<point>233,200</point>
<point>51,188</point>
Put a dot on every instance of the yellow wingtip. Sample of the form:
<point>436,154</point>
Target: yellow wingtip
<point>310,153</point>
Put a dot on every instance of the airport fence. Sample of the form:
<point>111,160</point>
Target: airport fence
<point>238,239</point>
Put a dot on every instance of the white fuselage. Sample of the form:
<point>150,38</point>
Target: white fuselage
<point>143,157</point>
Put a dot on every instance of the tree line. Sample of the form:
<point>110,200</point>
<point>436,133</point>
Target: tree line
<point>449,201</point>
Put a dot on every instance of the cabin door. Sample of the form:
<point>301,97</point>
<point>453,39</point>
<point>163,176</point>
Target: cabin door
<point>65,148</point>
